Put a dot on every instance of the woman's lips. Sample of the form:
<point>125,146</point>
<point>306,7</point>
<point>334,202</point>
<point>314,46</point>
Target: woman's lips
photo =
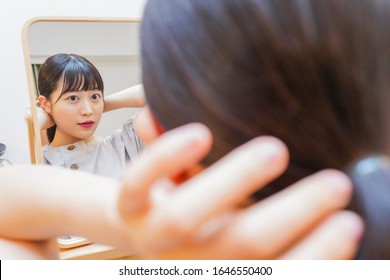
<point>87,124</point>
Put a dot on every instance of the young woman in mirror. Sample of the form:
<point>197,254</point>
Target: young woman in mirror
<point>72,103</point>
<point>313,73</point>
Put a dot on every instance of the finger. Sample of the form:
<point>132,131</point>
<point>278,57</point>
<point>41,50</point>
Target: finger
<point>174,152</point>
<point>225,184</point>
<point>337,238</point>
<point>272,225</point>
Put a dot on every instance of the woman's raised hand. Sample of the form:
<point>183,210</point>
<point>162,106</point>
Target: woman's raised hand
<point>201,217</point>
<point>45,121</point>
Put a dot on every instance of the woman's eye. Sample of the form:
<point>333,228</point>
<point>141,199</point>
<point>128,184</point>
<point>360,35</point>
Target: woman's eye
<point>96,96</point>
<point>73,98</point>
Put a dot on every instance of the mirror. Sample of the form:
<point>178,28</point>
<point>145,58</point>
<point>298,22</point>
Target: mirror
<point>111,44</point>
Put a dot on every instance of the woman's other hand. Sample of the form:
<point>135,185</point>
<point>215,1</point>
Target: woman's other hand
<point>45,121</point>
<point>200,218</point>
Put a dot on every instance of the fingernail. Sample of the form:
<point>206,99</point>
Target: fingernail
<point>268,148</point>
<point>194,134</point>
<point>341,185</point>
<point>354,225</point>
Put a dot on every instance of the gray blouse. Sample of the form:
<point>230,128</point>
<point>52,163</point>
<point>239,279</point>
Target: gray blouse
<point>103,156</point>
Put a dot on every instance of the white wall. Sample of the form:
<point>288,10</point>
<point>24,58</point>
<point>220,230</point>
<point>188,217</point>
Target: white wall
<point>13,80</point>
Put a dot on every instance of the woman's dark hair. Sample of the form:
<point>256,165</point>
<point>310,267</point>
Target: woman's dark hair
<point>314,73</point>
<point>78,74</point>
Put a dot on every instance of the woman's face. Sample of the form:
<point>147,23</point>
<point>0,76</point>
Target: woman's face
<point>76,114</point>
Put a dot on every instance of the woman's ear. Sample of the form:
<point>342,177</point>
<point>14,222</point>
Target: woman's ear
<point>146,125</point>
<point>45,104</point>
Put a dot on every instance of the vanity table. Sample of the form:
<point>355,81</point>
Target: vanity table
<point>94,251</point>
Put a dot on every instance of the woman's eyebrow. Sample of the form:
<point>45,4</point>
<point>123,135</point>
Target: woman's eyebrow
<point>67,93</point>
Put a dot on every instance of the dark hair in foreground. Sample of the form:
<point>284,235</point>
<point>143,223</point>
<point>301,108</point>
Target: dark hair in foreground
<point>78,74</point>
<point>314,73</point>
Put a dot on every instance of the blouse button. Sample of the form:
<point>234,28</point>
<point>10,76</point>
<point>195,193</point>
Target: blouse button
<point>74,167</point>
<point>71,147</point>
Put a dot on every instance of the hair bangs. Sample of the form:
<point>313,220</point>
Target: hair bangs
<point>79,76</point>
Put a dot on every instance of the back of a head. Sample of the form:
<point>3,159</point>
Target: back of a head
<point>310,72</point>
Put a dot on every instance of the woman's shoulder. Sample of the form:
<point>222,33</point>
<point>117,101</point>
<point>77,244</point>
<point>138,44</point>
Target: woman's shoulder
<point>126,131</point>
<point>126,138</point>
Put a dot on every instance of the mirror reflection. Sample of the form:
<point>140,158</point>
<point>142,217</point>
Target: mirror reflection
<point>84,80</point>
<point>112,48</point>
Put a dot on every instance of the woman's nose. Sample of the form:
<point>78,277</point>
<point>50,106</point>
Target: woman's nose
<point>87,108</point>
